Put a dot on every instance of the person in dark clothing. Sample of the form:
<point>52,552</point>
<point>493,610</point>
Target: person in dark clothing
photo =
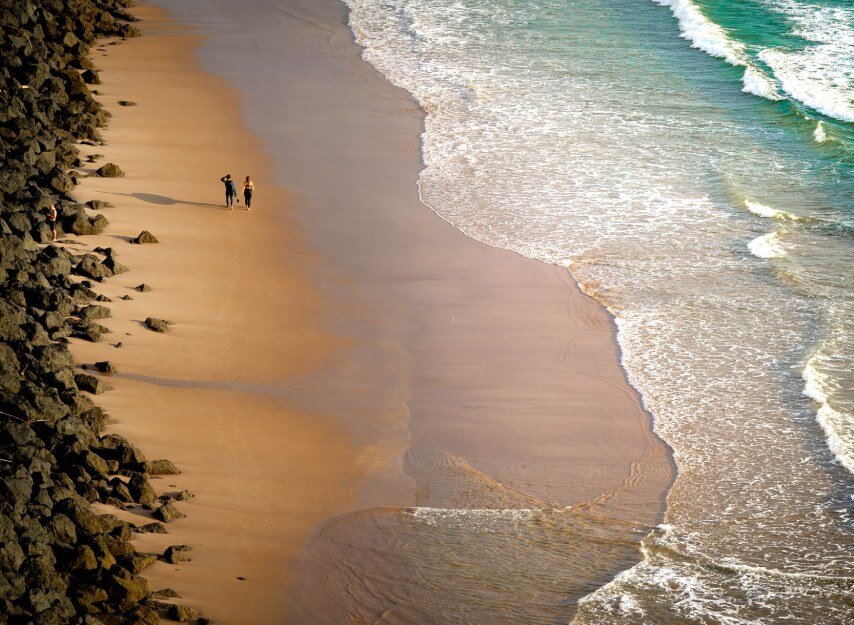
<point>230,191</point>
<point>248,190</point>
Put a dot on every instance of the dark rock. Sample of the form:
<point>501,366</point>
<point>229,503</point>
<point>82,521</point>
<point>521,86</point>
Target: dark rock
<point>97,205</point>
<point>94,311</point>
<point>89,331</point>
<point>91,384</point>
<point>91,267</point>
<point>114,266</point>
<point>151,528</point>
<point>142,288</point>
<point>165,593</point>
<point>105,367</point>
<point>182,613</point>
<point>129,592</point>
<point>158,325</point>
<point>109,170</point>
<point>175,554</point>
<point>144,237</point>
<point>141,490</point>
<point>161,467</point>
<point>167,513</point>
<point>140,561</point>
<point>127,298</point>
<point>90,77</point>
<point>126,103</point>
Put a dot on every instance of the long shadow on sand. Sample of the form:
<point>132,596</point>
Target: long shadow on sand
<point>164,200</point>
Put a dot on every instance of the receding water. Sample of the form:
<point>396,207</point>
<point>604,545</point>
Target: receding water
<point>691,163</point>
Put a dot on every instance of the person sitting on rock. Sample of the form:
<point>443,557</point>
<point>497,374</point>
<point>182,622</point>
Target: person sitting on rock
<point>230,191</point>
<point>52,214</point>
<point>248,189</point>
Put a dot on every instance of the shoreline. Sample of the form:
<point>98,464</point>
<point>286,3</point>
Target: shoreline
<point>348,379</point>
<point>447,416</point>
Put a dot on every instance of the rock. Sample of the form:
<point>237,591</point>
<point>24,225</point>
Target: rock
<point>142,288</point>
<point>150,528</point>
<point>141,490</point>
<point>90,77</point>
<point>84,559</point>
<point>206,621</point>
<point>105,367</point>
<point>114,266</point>
<point>97,205</point>
<point>183,495</point>
<point>109,170</point>
<point>161,467</point>
<point>144,237</point>
<point>127,298</point>
<point>145,615</point>
<point>176,554</point>
<point>167,513</point>
<point>158,325</point>
<point>91,384</point>
<point>80,223</point>
<point>141,561</point>
<point>91,267</point>
<point>129,592</point>
<point>182,613</point>
<point>126,103</point>
<point>89,331</point>
<point>94,311</point>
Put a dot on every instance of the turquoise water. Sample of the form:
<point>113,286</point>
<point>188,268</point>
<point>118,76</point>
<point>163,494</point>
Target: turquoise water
<point>691,163</point>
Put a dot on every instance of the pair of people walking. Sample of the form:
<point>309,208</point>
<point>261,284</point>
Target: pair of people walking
<point>231,191</point>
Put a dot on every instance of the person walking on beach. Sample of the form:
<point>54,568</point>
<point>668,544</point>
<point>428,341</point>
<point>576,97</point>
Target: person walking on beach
<point>230,191</point>
<point>52,214</point>
<point>248,189</point>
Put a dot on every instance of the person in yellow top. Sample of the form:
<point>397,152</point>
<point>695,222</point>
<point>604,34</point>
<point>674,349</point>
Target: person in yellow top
<point>248,190</point>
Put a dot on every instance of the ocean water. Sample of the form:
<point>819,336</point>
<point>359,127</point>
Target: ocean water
<point>690,162</point>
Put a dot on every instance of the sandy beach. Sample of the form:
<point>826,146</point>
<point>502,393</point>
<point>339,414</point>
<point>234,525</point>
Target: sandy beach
<point>340,357</point>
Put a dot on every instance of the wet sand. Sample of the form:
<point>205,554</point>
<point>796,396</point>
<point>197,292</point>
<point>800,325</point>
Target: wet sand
<point>342,355</point>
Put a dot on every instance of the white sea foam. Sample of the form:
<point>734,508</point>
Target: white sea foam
<point>820,75</point>
<point>703,33</point>
<point>767,246</point>
<point>819,133</point>
<point>771,213</point>
<point>756,82</point>
<point>837,430</point>
<point>763,211</point>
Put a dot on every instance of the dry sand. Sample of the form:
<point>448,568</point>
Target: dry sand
<point>244,321</point>
<point>331,332</point>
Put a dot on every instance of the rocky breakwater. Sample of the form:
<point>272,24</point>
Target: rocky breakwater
<point>60,561</point>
